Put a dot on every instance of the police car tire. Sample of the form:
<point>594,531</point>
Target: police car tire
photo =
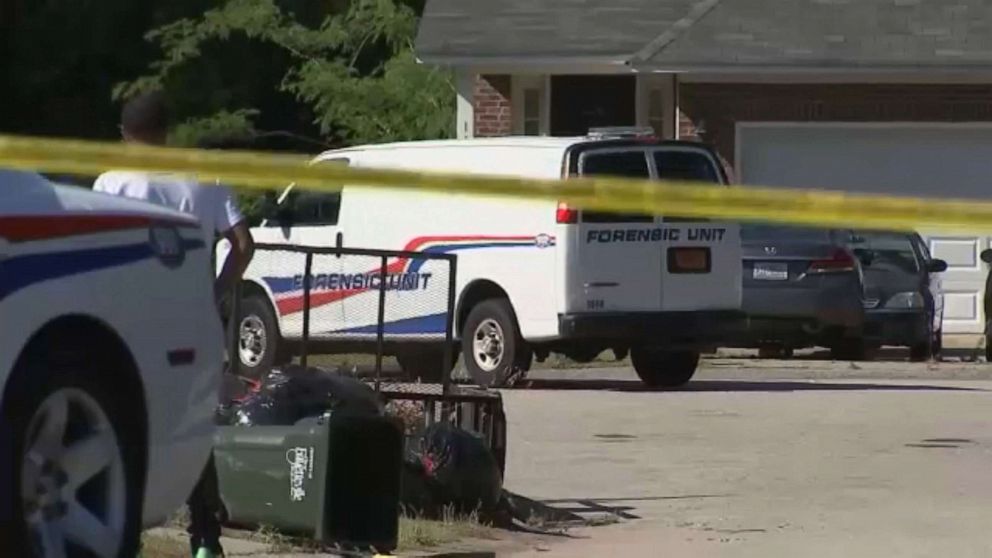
<point>663,368</point>
<point>37,377</point>
<point>517,356</point>
<point>259,306</point>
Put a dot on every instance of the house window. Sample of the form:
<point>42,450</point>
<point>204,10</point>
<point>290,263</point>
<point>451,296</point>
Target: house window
<point>530,105</point>
<point>532,112</point>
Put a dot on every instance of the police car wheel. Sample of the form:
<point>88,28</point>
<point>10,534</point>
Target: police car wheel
<point>662,368</point>
<point>258,337</point>
<point>75,479</point>
<point>495,354</point>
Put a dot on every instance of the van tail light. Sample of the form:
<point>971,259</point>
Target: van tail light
<point>565,215</point>
<point>840,261</point>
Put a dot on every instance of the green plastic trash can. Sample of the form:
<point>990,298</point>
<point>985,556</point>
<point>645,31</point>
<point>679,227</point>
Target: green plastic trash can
<point>336,479</point>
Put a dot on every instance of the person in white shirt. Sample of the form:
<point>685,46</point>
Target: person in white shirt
<point>145,120</point>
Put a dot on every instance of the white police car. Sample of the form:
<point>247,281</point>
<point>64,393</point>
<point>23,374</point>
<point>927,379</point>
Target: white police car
<point>110,359</point>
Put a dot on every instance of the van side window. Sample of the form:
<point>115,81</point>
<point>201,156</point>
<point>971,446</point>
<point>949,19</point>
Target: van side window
<point>627,164</point>
<point>314,208</point>
<point>309,208</point>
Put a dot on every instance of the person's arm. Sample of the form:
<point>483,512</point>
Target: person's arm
<point>233,227</point>
<point>238,258</point>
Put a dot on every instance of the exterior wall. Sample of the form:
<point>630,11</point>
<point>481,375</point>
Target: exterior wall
<point>493,107</point>
<point>710,111</point>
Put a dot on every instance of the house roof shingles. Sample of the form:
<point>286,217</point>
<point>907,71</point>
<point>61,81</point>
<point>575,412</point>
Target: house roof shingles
<point>685,34</point>
<point>486,29</point>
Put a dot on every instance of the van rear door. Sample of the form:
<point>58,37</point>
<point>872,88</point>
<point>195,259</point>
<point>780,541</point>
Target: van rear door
<point>643,263</point>
<point>618,261</point>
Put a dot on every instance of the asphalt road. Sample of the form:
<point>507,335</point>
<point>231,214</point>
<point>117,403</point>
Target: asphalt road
<point>758,458</point>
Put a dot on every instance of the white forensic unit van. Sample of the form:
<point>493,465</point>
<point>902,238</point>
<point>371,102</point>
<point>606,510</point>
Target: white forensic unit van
<point>533,277</point>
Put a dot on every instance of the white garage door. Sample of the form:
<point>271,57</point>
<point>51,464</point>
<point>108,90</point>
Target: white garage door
<point>944,160</point>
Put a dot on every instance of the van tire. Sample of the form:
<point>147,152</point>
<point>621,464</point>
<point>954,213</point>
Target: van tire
<point>491,330</point>
<point>661,368</point>
<point>426,363</point>
<point>259,341</point>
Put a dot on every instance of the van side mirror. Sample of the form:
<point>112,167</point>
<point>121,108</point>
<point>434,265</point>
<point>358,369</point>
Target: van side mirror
<point>864,256</point>
<point>938,266</point>
<point>987,255</point>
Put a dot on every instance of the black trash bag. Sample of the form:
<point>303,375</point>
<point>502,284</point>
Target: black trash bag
<point>417,496</point>
<point>461,471</point>
<point>234,391</point>
<point>286,396</point>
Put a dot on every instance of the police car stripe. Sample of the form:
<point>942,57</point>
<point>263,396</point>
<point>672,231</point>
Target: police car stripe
<point>24,228</point>
<point>19,272</point>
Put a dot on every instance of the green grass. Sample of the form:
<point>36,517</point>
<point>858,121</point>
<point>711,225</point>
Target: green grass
<point>417,533</point>
<point>159,546</point>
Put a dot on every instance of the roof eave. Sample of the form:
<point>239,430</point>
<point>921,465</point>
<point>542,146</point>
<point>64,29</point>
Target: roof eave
<point>811,68</point>
<point>524,61</point>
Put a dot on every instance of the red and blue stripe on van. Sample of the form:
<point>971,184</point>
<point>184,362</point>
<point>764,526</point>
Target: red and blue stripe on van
<point>288,294</point>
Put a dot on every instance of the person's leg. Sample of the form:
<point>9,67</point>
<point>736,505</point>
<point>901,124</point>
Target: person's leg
<point>196,513</point>
<point>213,508</point>
<point>205,512</point>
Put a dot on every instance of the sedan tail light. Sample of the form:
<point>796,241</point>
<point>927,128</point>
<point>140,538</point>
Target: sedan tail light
<point>840,261</point>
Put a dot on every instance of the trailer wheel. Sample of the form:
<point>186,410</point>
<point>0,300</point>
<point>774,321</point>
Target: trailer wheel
<point>494,352</point>
<point>661,368</point>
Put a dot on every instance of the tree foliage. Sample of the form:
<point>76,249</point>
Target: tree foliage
<point>351,70</point>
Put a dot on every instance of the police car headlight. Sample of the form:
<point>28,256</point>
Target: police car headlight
<point>905,301</point>
<point>167,244</point>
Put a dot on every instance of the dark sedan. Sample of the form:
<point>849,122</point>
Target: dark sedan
<point>904,301</point>
<point>802,287</point>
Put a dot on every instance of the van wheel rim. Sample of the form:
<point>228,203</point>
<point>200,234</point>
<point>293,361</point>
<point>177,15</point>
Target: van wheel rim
<point>488,345</point>
<point>72,482</point>
<point>252,340</point>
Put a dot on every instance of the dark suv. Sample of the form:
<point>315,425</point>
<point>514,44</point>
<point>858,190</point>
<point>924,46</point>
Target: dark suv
<point>904,302</point>
<point>802,287</point>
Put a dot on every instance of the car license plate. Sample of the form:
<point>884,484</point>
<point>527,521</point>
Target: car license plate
<point>771,271</point>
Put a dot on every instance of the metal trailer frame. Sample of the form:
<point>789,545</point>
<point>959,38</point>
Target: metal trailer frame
<point>476,409</point>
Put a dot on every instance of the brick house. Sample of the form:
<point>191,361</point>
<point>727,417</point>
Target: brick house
<point>865,95</point>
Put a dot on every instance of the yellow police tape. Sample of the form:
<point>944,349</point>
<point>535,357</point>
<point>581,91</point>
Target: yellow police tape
<point>683,199</point>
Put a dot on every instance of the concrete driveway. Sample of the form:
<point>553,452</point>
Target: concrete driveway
<point>757,458</point>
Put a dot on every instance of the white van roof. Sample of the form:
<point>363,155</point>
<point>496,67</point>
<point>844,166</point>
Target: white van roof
<point>539,142</point>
